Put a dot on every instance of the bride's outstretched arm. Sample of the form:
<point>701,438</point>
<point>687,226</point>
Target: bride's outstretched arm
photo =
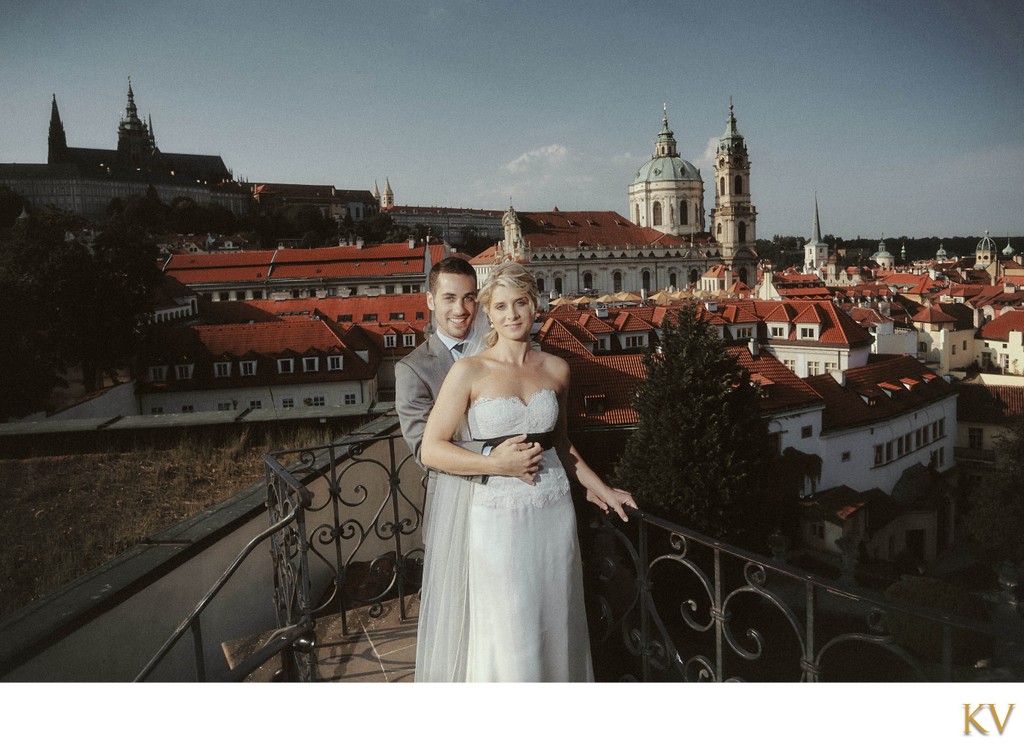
<point>511,458</point>
<point>598,492</point>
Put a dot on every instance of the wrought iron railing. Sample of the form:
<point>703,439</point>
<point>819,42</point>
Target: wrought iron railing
<point>363,530</point>
<point>668,603</point>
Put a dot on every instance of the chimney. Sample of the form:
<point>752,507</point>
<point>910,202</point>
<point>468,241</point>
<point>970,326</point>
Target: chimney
<point>359,242</point>
<point>839,376</point>
<point>754,347</point>
<point>412,242</point>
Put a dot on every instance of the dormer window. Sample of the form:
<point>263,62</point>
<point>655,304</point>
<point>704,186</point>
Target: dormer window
<point>594,404</point>
<point>158,373</point>
<point>777,331</point>
<point>285,366</point>
<point>222,369</point>
<point>335,362</point>
<point>183,372</point>
<point>808,332</point>
<point>310,364</point>
<point>409,340</point>
<point>247,367</point>
<point>390,341</point>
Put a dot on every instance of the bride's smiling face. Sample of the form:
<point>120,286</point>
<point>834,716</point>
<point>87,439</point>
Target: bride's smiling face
<point>511,313</point>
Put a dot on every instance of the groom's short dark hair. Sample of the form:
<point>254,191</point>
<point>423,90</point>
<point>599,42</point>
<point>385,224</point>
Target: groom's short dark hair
<point>451,265</point>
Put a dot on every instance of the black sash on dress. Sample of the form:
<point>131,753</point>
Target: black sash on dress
<point>546,440</point>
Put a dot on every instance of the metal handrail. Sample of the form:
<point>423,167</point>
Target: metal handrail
<point>192,620</point>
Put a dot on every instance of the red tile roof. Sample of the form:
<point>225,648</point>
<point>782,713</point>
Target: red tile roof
<point>1000,328</point>
<point>862,401</point>
<point>982,403</point>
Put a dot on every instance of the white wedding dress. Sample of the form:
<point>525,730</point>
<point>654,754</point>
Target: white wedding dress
<point>526,617</point>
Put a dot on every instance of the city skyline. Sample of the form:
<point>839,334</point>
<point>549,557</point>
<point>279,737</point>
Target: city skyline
<point>905,121</point>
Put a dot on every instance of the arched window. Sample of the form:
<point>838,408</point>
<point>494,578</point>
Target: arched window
<point>588,280</point>
<point>694,276</point>
<point>540,284</point>
<point>719,233</point>
<point>738,183</point>
<point>616,282</point>
<point>742,274</point>
<point>636,214</point>
<point>684,213</point>
<point>558,285</point>
<point>721,186</point>
<point>656,214</point>
<point>742,231</point>
<point>672,279</point>
<point>646,276</point>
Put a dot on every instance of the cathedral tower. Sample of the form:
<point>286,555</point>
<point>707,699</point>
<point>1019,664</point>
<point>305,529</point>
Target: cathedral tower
<point>733,217</point>
<point>57,143</point>
<point>667,193</point>
<point>387,199</point>
<point>134,145</point>
<point>815,250</point>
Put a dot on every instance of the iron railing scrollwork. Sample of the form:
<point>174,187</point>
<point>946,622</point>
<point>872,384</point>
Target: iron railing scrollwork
<point>671,604</point>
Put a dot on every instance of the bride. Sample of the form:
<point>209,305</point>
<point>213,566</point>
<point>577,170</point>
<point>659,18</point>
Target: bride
<point>502,595</point>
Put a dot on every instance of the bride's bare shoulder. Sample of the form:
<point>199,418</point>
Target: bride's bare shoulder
<point>554,366</point>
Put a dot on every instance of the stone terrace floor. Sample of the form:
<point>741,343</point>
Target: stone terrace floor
<point>377,649</point>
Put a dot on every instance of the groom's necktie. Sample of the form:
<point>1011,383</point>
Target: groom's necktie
<point>457,349</point>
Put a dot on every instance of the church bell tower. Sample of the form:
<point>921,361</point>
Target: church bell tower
<point>733,219</point>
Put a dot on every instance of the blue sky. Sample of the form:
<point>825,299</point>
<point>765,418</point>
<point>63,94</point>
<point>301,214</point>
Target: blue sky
<point>906,118</point>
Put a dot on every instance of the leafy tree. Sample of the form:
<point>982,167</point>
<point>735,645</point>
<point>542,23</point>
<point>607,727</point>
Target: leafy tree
<point>997,518</point>
<point>11,205</point>
<point>700,455</point>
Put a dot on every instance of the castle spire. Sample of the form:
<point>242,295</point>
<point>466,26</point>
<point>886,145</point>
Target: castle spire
<point>816,232</point>
<point>665,146</point>
<point>57,142</point>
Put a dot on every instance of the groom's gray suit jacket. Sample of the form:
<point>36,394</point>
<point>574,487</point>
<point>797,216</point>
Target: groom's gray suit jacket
<point>418,379</point>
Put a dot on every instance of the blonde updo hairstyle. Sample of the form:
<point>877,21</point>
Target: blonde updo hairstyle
<point>512,276</point>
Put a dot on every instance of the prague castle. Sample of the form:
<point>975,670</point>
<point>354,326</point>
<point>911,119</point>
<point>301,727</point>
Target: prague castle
<point>84,181</point>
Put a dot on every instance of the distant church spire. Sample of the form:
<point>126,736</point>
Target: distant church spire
<point>665,146</point>
<point>57,143</point>
<point>152,134</point>
<point>816,231</point>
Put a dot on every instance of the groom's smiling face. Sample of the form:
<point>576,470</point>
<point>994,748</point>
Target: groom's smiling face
<point>453,302</point>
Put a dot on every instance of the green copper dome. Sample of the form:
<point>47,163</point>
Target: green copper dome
<point>667,169</point>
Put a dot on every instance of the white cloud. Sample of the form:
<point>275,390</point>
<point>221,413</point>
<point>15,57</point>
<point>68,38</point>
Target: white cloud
<point>542,157</point>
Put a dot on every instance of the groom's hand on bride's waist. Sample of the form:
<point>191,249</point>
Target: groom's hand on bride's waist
<point>514,458</point>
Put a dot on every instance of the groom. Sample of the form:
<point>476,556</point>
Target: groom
<point>419,375</point>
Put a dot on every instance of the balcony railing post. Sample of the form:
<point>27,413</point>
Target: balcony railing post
<point>643,579</point>
<point>394,498</point>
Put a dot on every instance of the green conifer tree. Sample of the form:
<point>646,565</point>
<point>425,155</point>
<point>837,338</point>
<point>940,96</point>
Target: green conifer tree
<point>700,455</point>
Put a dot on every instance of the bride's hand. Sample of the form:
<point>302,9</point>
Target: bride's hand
<point>515,459</point>
<point>613,500</point>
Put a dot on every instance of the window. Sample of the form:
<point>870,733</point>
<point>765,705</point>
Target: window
<point>925,433</point>
<point>917,438</point>
<point>222,369</point>
<point>845,456</point>
<point>223,406</point>
<point>922,346</point>
<point>247,367</point>
<point>345,318</point>
<point>398,316</point>
<point>888,451</point>
<point>310,364</point>
<point>738,187</point>
<point>369,317</point>
<point>672,280</point>
<point>255,404</point>
<point>389,288</point>
<point>158,373</point>
<point>318,401</point>
<point>411,289</point>
<point>594,405</point>
<point>975,438</point>
<point>540,284</point>
<point>616,282</point>
<point>807,431</point>
<point>287,403</point>
<point>156,410</point>
<point>634,341</point>
<point>775,443</point>
<point>940,431</point>
<point>684,214</point>
<point>879,454</point>
<point>350,399</point>
<point>188,408</point>
<point>778,331</point>
<point>558,285</point>
<point>742,230</point>
<point>831,366</point>
<point>409,340</point>
<point>818,530</point>
<point>588,280</point>
<point>656,214</point>
<point>335,362</point>
<point>721,189</point>
<point>953,349</point>
<point>183,372</point>
<point>389,341</point>
<point>908,442</point>
<point>744,333</point>
<point>900,450</point>
<point>807,332</point>
<point>285,365</point>
<point>790,365</point>
<point>813,367</point>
